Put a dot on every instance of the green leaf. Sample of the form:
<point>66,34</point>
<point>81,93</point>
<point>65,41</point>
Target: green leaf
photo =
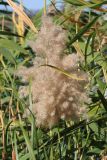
<point>25,134</point>
<point>103,100</point>
<point>9,34</point>
<point>94,151</point>
<point>7,54</point>
<point>94,128</point>
<point>12,46</point>
<point>77,3</point>
<point>83,30</point>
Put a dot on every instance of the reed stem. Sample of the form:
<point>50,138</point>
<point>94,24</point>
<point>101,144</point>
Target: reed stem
<point>44,7</point>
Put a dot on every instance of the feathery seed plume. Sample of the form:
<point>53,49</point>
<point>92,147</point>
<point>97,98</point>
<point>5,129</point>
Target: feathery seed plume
<point>55,96</point>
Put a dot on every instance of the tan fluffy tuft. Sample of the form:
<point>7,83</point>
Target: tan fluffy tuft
<point>55,96</point>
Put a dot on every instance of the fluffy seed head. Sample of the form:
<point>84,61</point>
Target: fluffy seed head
<point>55,96</point>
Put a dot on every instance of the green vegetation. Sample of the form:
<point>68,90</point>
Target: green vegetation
<point>20,139</point>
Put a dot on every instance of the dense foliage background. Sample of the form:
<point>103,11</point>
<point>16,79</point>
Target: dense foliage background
<point>86,24</point>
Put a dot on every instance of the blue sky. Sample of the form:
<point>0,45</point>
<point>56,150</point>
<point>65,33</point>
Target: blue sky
<point>34,4</point>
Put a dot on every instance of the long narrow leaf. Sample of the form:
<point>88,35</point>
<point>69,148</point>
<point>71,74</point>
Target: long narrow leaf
<point>83,30</point>
<point>31,152</point>
<point>73,76</point>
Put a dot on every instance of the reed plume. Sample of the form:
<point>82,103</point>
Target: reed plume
<point>55,96</point>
